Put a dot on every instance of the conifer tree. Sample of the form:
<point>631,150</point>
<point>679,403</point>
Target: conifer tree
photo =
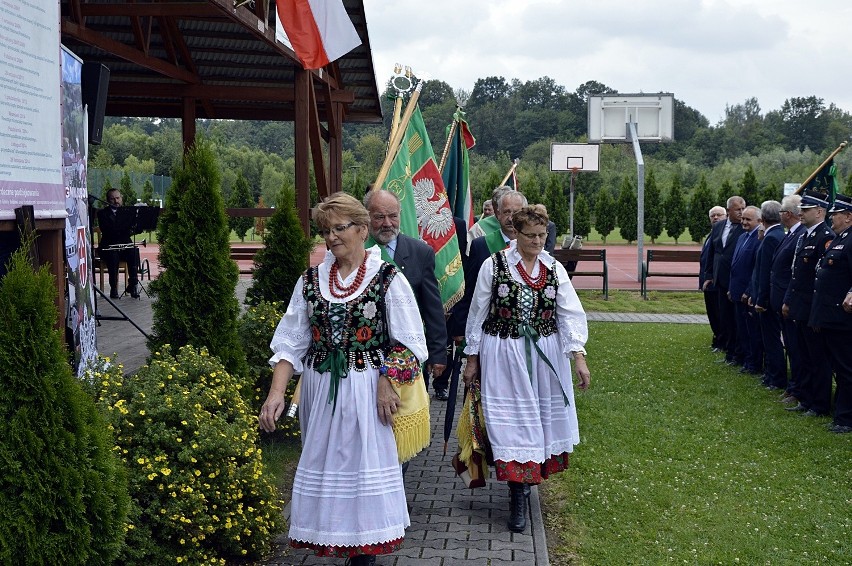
<point>284,257</point>
<point>605,213</point>
<point>195,301</point>
<point>749,188</point>
<point>582,217</point>
<point>64,493</point>
<point>675,210</point>
<point>654,212</point>
<point>241,198</point>
<point>555,201</point>
<point>626,207</point>
<point>769,192</point>
<point>726,191</point>
<point>128,193</point>
<point>148,193</point>
<point>699,207</point>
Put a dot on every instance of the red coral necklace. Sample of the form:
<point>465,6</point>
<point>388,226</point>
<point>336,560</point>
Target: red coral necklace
<point>538,282</point>
<point>339,291</point>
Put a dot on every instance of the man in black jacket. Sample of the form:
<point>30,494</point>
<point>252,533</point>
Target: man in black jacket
<point>117,225</point>
<point>723,239</point>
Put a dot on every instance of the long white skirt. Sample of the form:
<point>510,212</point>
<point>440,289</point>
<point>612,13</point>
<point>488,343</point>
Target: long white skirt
<point>527,421</point>
<point>348,488</point>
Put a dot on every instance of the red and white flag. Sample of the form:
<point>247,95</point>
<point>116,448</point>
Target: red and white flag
<point>319,31</point>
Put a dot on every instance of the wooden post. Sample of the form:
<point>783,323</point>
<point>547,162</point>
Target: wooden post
<point>302,150</point>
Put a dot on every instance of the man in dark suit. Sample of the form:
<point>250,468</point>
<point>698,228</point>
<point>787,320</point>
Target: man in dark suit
<point>416,260</point>
<point>117,226</point>
<point>775,369</point>
<point>711,296</point>
<point>779,280</point>
<point>724,238</point>
<point>740,292</point>
<point>441,382</point>
<point>815,379</point>
<point>831,314</point>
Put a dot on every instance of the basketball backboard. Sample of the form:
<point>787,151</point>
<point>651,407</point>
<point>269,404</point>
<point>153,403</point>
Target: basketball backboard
<point>609,115</point>
<point>570,156</point>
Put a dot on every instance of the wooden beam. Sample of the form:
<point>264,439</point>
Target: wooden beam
<point>284,94</point>
<point>86,35</point>
<point>188,123</point>
<point>316,147</point>
<point>302,147</point>
<point>183,10</point>
<point>335,150</point>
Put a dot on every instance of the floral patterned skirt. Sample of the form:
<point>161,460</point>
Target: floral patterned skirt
<point>531,472</point>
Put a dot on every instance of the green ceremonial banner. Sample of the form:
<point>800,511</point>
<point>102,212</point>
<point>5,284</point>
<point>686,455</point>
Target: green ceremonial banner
<point>425,210</point>
<point>825,181</point>
<point>456,172</point>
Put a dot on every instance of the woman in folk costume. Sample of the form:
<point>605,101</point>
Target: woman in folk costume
<point>524,326</point>
<point>348,497</point>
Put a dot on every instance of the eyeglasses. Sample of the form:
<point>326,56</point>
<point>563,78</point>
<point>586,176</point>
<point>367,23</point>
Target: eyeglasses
<point>338,230</point>
<point>381,217</point>
<point>534,236</point>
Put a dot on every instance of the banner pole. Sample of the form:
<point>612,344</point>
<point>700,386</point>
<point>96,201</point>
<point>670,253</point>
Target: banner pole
<point>397,138</point>
<point>447,147</point>
<point>818,169</point>
<point>511,170</point>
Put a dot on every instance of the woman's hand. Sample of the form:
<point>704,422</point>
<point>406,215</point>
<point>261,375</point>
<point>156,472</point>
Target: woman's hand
<point>471,369</point>
<point>387,400</point>
<point>583,375</point>
<point>275,403</point>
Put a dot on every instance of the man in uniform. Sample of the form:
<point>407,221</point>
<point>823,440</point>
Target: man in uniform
<point>831,314</point>
<point>815,379</point>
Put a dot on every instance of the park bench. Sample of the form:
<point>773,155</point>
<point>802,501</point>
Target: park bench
<point>667,257</point>
<point>245,252</point>
<point>583,257</point>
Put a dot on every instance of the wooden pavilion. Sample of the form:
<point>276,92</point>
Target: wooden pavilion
<point>218,59</point>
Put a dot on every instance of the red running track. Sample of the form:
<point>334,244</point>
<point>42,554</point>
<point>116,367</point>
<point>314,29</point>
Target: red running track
<point>622,261</point>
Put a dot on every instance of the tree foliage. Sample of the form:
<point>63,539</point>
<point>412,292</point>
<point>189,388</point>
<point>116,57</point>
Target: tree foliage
<point>675,210</point>
<point>284,257</point>
<point>128,193</point>
<point>582,217</point>
<point>749,188</point>
<point>655,214</point>
<point>241,198</point>
<point>606,216</point>
<point>195,294</point>
<point>64,491</point>
<point>554,200</point>
<point>626,210</point>
<point>699,207</point>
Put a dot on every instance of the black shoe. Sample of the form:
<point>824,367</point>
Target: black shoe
<point>840,429</point>
<point>812,413</point>
<point>797,408</point>
<point>441,394</point>
<point>517,508</point>
<point>113,294</point>
<point>134,291</point>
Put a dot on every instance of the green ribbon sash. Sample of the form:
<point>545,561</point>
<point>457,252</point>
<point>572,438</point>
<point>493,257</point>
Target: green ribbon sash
<point>334,363</point>
<point>531,337</point>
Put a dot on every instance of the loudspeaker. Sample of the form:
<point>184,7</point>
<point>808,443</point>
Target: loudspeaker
<point>95,83</point>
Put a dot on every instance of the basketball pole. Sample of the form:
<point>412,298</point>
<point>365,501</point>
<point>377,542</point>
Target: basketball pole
<point>571,200</point>
<point>640,194</point>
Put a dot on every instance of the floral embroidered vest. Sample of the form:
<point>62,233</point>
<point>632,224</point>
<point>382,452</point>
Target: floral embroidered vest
<point>514,304</point>
<point>357,327</point>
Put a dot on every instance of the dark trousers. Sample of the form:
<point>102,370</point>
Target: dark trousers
<point>816,385</point>
<point>711,304</point>
<point>113,258</point>
<point>794,354</point>
<point>727,326</point>
<point>841,360</point>
<point>776,363</point>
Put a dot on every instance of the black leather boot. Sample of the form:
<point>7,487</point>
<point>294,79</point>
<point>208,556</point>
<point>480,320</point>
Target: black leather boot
<point>517,508</point>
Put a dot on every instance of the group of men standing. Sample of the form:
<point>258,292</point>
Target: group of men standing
<point>777,284</point>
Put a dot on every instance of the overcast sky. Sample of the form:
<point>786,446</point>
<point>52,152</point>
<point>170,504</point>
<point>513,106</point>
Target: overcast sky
<point>709,53</point>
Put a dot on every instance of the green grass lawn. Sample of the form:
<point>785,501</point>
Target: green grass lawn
<point>659,302</point>
<point>684,460</point>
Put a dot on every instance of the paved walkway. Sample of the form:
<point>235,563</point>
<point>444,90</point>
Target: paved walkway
<point>449,523</point>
